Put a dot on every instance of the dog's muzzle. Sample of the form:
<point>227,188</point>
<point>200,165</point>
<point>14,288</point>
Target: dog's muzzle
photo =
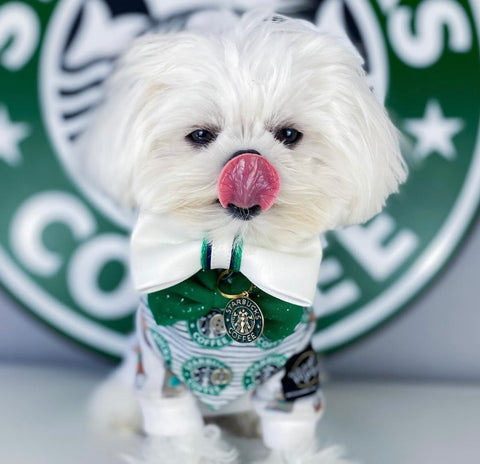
<point>248,184</point>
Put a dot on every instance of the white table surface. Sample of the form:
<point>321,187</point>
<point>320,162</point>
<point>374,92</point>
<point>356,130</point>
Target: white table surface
<point>43,420</point>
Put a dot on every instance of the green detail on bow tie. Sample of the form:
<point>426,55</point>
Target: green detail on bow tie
<point>235,254</point>
<point>204,256</point>
<point>196,296</point>
<point>236,257</point>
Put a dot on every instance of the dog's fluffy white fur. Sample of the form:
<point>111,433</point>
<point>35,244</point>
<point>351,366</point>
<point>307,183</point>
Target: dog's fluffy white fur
<point>245,85</point>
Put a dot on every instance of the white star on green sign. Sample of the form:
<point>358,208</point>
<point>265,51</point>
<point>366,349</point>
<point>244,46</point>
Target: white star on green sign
<point>11,134</point>
<point>434,132</point>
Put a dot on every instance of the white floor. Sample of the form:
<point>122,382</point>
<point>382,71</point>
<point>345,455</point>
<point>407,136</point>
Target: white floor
<point>43,420</point>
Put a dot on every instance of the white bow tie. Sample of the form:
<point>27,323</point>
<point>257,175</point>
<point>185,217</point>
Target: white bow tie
<point>162,255</point>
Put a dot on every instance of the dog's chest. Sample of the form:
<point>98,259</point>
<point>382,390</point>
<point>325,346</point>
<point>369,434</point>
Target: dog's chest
<point>214,367</point>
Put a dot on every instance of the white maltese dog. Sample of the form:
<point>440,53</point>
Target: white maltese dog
<point>237,150</point>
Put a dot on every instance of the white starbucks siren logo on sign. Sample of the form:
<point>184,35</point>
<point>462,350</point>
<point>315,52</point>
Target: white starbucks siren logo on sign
<point>64,247</point>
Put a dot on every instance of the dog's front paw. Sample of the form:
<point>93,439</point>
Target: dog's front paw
<point>204,447</point>
<point>330,455</point>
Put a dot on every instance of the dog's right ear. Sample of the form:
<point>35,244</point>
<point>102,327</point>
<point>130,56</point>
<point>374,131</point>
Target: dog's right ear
<point>121,132</point>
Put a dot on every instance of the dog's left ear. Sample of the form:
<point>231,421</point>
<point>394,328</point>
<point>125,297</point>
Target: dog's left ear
<point>361,142</point>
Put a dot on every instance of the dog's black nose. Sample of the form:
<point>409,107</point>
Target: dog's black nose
<point>245,214</point>
<point>241,152</point>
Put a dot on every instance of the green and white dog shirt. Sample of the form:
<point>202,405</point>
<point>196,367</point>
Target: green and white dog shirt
<point>214,367</point>
<point>183,314</point>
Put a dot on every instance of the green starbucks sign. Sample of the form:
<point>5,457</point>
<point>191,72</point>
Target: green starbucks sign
<point>64,247</point>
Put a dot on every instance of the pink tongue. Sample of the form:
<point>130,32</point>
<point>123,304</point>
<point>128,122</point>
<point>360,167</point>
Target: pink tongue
<point>248,180</point>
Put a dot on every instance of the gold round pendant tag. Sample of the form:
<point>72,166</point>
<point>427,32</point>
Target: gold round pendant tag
<point>243,320</point>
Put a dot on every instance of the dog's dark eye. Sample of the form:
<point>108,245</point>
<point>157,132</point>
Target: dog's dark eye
<point>201,137</point>
<point>288,136</point>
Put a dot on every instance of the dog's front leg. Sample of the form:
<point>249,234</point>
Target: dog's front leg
<point>175,432</point>
<point>288,427</point>
<point>172,422</point>
<point>169,416</point>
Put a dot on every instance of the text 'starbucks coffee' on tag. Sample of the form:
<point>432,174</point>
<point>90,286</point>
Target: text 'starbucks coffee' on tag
<point>64,247</point>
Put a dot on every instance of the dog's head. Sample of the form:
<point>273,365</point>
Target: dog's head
<point>269,131</point>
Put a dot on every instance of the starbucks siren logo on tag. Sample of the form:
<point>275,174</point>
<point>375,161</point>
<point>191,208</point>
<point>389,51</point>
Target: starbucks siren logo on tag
<point>64,247</point>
